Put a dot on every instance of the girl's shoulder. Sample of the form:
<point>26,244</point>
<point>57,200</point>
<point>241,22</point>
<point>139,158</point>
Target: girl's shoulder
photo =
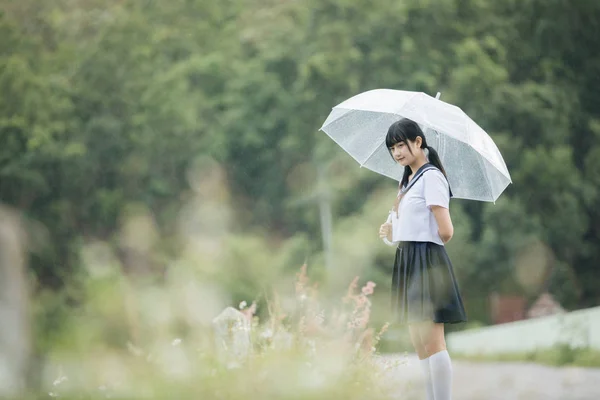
<point>434,171</point>
<point>434,178</point>
<point>435,175</point>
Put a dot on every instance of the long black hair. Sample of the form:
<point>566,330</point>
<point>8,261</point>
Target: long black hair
<point>403,131</point>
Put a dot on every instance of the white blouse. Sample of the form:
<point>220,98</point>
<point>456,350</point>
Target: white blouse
<point>414,221</point>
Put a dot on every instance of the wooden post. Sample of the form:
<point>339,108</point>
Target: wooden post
<point>14,306</point>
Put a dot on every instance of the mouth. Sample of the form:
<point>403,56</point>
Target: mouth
<point>400,159</point>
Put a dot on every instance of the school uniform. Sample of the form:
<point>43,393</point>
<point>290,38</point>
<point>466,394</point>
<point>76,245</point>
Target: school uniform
<point>423,284</point>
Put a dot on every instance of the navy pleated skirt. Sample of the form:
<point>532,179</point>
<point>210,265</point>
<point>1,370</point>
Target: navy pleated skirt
<point>424,287</point>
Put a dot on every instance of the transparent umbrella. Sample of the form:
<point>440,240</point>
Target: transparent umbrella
<point>475,167</point>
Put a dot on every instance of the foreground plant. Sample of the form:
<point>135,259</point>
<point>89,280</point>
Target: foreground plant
<point>302,350</point>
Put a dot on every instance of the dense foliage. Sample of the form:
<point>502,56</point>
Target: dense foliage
<point>119,117</point>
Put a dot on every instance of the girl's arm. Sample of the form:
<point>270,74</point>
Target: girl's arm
<point>437,198</point>
<point>445,228</point>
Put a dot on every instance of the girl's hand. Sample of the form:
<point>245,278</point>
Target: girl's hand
<point>385,231</point>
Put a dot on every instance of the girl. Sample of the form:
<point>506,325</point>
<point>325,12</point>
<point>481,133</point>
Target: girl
<point>424,291</point>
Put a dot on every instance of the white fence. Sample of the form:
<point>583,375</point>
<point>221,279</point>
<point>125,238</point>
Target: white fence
<point>577,328</point>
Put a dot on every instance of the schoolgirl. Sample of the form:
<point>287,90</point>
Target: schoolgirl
<point>425,294</point>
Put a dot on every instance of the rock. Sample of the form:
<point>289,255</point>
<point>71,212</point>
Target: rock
<point>232,336</point>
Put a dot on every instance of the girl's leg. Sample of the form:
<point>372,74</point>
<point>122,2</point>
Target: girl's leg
<point>432,337</point>
<point>415,337</point>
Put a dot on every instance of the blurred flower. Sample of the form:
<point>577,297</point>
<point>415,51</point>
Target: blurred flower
<point>266,334</point>
<point>360,301</point>
<point>301,281</point>
<point>350,295</point>
<point>59,380</point>
<point>368,288</point>
<point>250,311</point>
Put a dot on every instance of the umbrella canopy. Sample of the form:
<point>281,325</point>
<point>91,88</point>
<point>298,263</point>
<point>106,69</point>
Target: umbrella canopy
<point>475,167</point>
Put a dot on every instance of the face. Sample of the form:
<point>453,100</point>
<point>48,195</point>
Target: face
<point>401,152</point>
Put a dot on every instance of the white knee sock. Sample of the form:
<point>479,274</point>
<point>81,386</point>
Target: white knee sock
<point>427,375</point>
<point>441,375</point>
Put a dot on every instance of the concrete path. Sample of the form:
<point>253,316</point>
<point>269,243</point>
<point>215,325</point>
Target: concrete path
<point>498,381</point>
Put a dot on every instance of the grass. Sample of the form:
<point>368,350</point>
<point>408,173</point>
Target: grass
<point>302,349</point>
<point>557,356</point>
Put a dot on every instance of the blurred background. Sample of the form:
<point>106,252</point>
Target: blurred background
<point>155,144</point>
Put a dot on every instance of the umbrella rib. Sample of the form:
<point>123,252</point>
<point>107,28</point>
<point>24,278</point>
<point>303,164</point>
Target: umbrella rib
<point>467,142</point>
<point>396,113</point>
<point>372,153</point>
<point>348,111</point>
<point>485,174</point>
